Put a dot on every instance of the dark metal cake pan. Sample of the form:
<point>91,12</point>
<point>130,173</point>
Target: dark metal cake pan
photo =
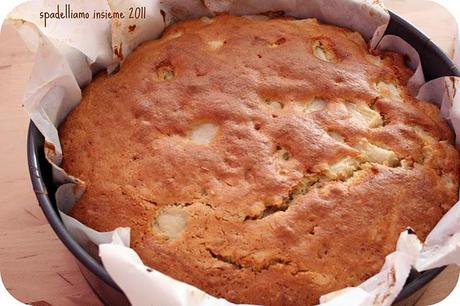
<point>435,64</point>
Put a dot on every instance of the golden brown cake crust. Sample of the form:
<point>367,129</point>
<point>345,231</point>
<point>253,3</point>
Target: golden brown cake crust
<point>263,161</point>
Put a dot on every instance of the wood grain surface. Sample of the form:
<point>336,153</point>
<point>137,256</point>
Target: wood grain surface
<point>34,264</point>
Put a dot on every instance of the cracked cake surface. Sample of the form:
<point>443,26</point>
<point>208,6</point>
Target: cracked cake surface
<point>265,161</point>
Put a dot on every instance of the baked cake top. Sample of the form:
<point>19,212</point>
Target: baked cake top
<point>266,161</point>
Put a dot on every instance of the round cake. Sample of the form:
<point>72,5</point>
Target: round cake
<point>265,161</point>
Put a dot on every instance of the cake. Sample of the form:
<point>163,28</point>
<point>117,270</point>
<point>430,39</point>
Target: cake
<point>264,161</point>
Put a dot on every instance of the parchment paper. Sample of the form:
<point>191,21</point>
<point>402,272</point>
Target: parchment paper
<point>66,53</point>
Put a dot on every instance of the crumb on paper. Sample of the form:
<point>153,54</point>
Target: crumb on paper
<point>79,187</point>
<point>49,146</point>
<point>131,28</point>
<point>118,51</point>
<point>454,88</point>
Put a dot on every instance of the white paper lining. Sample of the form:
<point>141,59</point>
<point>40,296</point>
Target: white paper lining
<point>65,57</point>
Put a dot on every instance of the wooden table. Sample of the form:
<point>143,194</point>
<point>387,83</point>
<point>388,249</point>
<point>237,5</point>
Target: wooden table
<point>35,265</point>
